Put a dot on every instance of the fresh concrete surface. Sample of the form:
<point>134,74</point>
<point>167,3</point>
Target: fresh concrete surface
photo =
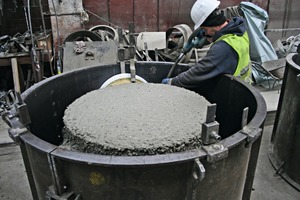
<point>267,185</point>
<point>136,120</point>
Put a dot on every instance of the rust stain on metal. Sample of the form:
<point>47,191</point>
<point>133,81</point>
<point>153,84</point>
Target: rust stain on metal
<point>96,178</point>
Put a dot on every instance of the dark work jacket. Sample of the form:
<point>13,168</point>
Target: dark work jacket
<point>220,59</point>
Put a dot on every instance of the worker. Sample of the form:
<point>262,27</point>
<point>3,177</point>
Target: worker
<point>228,54</point>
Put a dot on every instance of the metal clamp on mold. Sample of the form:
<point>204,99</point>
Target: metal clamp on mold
<point>210,129</point>
<point>215,152</point>
<point>251,133</point>
<point>121,50</point>
<point>132,52</point>
<point>210,137</point>
<point>50,195</point>
<point>17,118</point>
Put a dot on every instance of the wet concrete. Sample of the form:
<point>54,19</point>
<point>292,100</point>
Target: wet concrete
<point>135,119</point>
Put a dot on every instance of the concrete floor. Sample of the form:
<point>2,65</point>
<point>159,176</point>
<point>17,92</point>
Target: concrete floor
<point>13,179</point>
<point>267,185</point>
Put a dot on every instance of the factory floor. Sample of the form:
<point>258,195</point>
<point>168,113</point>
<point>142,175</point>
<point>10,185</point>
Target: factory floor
<point>267,185</point>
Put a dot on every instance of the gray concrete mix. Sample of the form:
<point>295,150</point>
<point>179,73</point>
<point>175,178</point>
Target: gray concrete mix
<point>135,119</point>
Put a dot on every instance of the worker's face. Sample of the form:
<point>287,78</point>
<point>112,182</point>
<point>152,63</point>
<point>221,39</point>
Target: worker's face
<point>210,31</point>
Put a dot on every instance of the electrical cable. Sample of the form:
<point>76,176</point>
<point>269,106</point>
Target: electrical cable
<point>101,18</point>
<point>26,18</point>
<point>29,22</point>
<point>36,65</point>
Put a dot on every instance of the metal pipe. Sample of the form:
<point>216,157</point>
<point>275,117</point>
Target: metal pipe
<point>61,14</point>
<point>58,41</point>
<point>282,29</point>
<point>45,35</point>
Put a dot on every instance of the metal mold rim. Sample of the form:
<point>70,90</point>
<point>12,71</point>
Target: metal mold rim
<point>95,159</point>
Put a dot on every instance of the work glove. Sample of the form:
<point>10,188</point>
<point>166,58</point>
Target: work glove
<point>196,42</point>
<point>166,81</point>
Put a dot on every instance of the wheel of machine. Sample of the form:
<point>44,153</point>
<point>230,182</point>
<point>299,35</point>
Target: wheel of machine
<point>105,32</point>
<point>175,42</point>
<point>83,36</point>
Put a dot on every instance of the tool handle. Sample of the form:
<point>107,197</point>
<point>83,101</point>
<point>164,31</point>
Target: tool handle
<point>175,64</point>
<point>186,48</point>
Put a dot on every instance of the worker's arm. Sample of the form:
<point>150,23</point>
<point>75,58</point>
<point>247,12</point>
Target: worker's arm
<point>220,59</point>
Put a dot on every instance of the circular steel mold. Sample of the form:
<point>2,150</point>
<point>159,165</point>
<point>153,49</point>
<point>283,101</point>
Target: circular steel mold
<point>166,176</point>
<point>285,142</point>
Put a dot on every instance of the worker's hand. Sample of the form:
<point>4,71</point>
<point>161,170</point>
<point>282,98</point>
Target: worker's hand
<point>166,81</point>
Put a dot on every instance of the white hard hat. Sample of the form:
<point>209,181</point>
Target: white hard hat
<point>202,9</point>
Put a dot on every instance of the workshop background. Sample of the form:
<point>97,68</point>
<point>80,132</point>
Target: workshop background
<point>154,15</point>
<point>33,35</point>
<point>51,21</point>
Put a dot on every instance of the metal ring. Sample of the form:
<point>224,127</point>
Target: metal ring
<point>186,32</point>
<point>82,36</point>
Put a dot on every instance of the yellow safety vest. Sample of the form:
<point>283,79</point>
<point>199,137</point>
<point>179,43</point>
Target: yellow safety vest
<point>241,45</point>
